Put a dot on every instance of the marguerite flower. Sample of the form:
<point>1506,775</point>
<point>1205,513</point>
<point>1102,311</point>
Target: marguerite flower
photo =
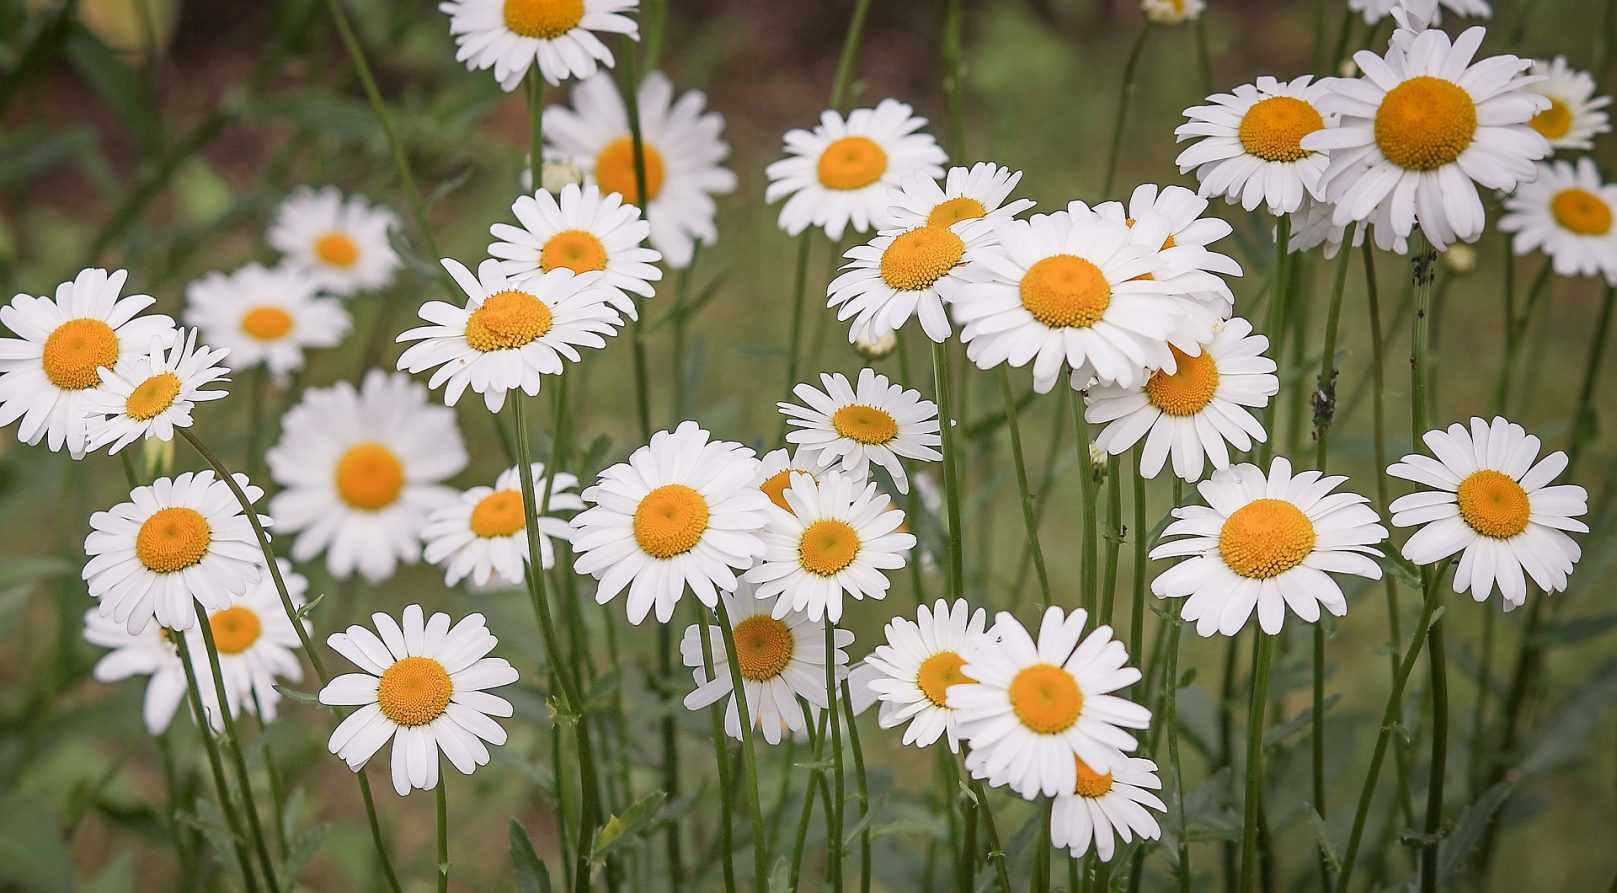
<point>153,394</point>
<point>973,193</point>
<point>341,242</point>
<point>1251,148</point>
<point>1167,222</point>
<point>918,664</point>
<point>483,535</point>
<point>1567,213</point>
<point>361,469</point>
<point>1376,10</point>
<point>1576,115</point>
<point>906,273</point>
<point>775,470</point>
<point>1172,12</point>
<point>1312,226</point>
<point>875,421</point>
<point>1107,805</point>
<point>150,652</point>
<point>265,316</point>
<point>556,36</point>
<point>258,644</point>
<point>585,232</point>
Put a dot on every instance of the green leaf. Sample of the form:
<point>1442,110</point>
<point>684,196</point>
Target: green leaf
<point>1572,727</point>
<point>302,697</point>
<point>1469,829</point>
<point>532,876</point>
<point>116,83</point>
<point>1578,629</point>
<point>1322,835</point>
<point>633,824</point>
<point>1292,726</point>
<point>302,847</point>
<point>1401,570</point>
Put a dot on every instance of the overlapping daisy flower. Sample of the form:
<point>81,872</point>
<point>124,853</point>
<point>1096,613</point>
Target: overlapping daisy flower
<point>154,393</point>
<point>483,535</point>
<point>265,316</point>
<point>917,664</point>
<point>979,192</point>
<point>257,643</point>
<point>1566,212</point>
<point>584,231</point>
<point>1576,115</point>
<point>151,653</point>
<point>1376,10</point>
<point>1250,143</point>
<point>775,470</point>
<point>1172,12</point>
<point>1107,807</point>
<point>341,242</point>
<point>1313,226</point>
<point>1167,221</point>
<point>853,426</point>
<point>558,38</point>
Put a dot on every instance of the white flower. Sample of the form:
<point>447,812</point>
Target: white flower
<point>1567,213</point>
<point>585,232</point>
<point>153,393</point>
<point>341,242</point>
<point>974,193</point>
<point>1172,12</point>
<point>876,421</point>
<point>1167,222</point>
<point>905,273</point>
<point>1576,115</point>
<point>149,652</point>
<point>1251,148</point>
<point>265,316</point>
<point>1376,10</point>
<point>1312,226</point>
<point>557,36</point>
<point>257,643</point>
<point>483,535</point>
<point>774,473</point>
<point>1104,805</point>
<point>918,664</point>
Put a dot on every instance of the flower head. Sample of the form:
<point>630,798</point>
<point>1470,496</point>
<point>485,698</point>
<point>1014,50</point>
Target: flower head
<point>341,242</point>
<point>1250,143</point>
<point>1566,212</point>
<point>1106,806</point>
<point>265,316</point>
<point>483,534</point>
<point>153,394</point>
<point>852,426</point>
<point>917,665</point>
<point>558,37</point>
<point>585,232</point>
<point>1576,115</point>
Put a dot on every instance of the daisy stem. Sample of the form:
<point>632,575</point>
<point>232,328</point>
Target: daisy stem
<point>255,418</point>
<point>833,856</point>
<point>1204,59</point>
<point>441,800</point>
<point>1123,96</point>
<point>1515,334</point>
<point>1041,850</point>
<point>1583,416</point>
<point>861,785</point>
<point>1262,654</point>
<point>1114,535</point>
<point>996,850</point>
<point>1170,704</point>
<point>954,76</point>
<point>1137,614</point>
<point>795,871</point>
<point>1086,489</point>
<point>631,101</point>
<point>277,791</point>
<point>951,470</point>
<point>129,469</point>
<point>749,753</point>
<point>1030,523</point>
<point>536,128</point>
<point>215,765</point>
<point>720,752</point>
<point>794,343</point>
<point>850,52</point>
<point>1275,328</point>
<point>171,779</point>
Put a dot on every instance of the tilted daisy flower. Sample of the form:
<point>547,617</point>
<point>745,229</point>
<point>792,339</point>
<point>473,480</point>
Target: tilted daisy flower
<point>510,333</point>
<point>360,471</point>
<point>49,370</point>
<point>1167,221</point>
<point>683,512</point>
<point>1034,706</point>
<point>1492,502</point>
<point>853,426</point>
<point>1172,12</point>
<point>424,685</point>
<point>844,169</point>
<point>1576,115</point>
<point>1267,543</point>
<point>153,394</point>
<point>585,232</point>
<point>556,36</point>
<point>483,535</point>
<point>905,273</point>
<point>684,149</point>
<point>176,540</point>
<point>1566,212</point>
<point>150,652</point>
<point>839,537</point>
<point>1107,806</point>
<point>1250,149</point>
<point>1423,129</point>
<point>1312,226</point>
<point>1376,10</point>
<point>340,241</point>
<point>975,193</point>
<point>265,316</point>
<point>258,644</point>
<point>919,662</point>
<point>775,470</point>
<point>1194,411</point>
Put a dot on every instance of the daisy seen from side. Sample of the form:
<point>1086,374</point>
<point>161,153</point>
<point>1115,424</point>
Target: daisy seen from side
<point>154,393</point>
<point>1167,222</point>
<point>1576,115</point>
<point>583,231</point>
<point>149,653</point>
<point>483,534</point>
<point>341,242</point>
<point>851,426</point>
<point>559,38</point>
<point>265,316</point>
<point>917,664</point>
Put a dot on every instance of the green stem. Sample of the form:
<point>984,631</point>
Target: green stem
<point>200,714</point>
<point>1041,849</point>
<point>850,52</point>
<point>996,850</point>
<point>1086,490</point>
<point>171,779</point>
<point>1516,334</point>
<point>954,77</point>
<point>861,785</point>
<point>255,420</point>
<point>794,343</point>
<point>441,800</point>
<point>536,128</point>
<point>794,872</point>
<point>1114,536</point>
<point>1125,93</point>
<point>1583,416</point>
<point>1262,653</point>
<point>1137,614</point>
<point>1275,328</point>
<point>277,790</point>
<point>951,469</point>
<point>720,749</point>
<point>833,856</point>
<point>749,756</point>
<point>631,101</point>
<point>1170,696</point>
<point>1030,522</point>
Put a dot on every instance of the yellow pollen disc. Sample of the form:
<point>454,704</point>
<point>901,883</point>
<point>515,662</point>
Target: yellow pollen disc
<point>1189,389</point>
<point>543,19</point>
<point>670,520</point>
<point>852,162</point>
<point>1494,504</point>
<point>614,170</point>
<point>764,647</point>
<point>1046,699</point>
<point>954,210</point>
<point>75,352</point>
<point>1581,211</point>
<point>1274,128</point>
<point>266,323</point>
<point>1265,538</point>
<point>1554,122</point>
<point>414,691</point>
<point>235,629</point>
<point>920,257</point>
<point>1064,291</point>
<point>775,486</point>
<point>574,249</point>
<point>507,320</point>
<point>172,540</point>
<point>336,249</point>
<point>866,424</point>
<point>369,476</point>
<point>938,673</point>
<point>827,547</point>
<point>1091,784</point>
<point>152,396</point>
<point>1425,123</point>
<point>498,514</point>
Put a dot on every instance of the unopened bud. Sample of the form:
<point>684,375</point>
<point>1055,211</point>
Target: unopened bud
<point>1460,259</point>
<point>875,347</point>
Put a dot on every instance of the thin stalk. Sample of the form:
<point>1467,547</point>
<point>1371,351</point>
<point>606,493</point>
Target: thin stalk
<point>182,851</point>
<point>1262,654</point>
<point>200,714</point>
<point>256,391</point>
<point>1114,536</point>
<point>631,101</point>
<point>1275,328</point>
<point>1515,699</point>
<point>1047,483</point>
<point>1517,332</point>
<point>861,785</point>
<point>1170,695</point>
<point>948,774</point>
<point>1137,612</point>
<point>995,848</point>
<point>1086,490</point>
<point>1204,59</point>
<point>277,790</point>
<point>1583,415</point>
<point>951,471</point>
<point>720,749</point>
<point>850,53</point>
<point>1030,523</point>
<point>833,855</point>
<point>1125,93</point>
<point>441,800</point>
<point>749,756</point>
<point>536,128</point>
<point>794,872</point>
<point>954,77</point>
<point>1041,850</point>
<point>794,342</point>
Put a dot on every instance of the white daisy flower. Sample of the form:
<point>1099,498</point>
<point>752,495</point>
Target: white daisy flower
<point>265,316</point>
<point>1033,707</point>
<point>1492,502</point>
<point>483,535</point>
<point>258,644</point>
<point>775,470</point>
<point>682,512</point>
<point>1167,222</point>
<point>361,470</point>
<point>1376,10</point>
<point>48,371</point>
<point>178,539</point>
<point>1576,115</point>
<point>557,36</point>
<point>149,652</point>
<point>975,193</point>
<point>1250,149</point>
<point>853,426</point>
<point>1312,226</point>
<point>1172,12</point>
<point>424,685</point>
<point>341,242</point>
<point>918,664</point>
<point>1267,543</point>
<point>843,170</point>
<point>1566,212</point>
<point>585,232</point>
<point>900,274</point>
<point>1107,805</point>
<point>153,394</point>
<point>510,333</point>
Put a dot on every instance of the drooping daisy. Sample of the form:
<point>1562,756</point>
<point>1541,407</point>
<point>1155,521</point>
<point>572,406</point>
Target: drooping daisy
<point>1106,806</point>
<point>424,685</point>
<point>1168,223</point>
<point>975,193</point>
<point>1172,12</point>
<point>775,470</point>
<point>918,664</point>
<point>906,273</point>
<point>1567,213</point>
<point>1192,412</point>
<point>265,316</point>
<point>510,333</point>
<point>1251,148</point>
<point>1492,502</point>
<point>149,652</point>
<point>1034,706</point>
<point>682,512</point>
<point>853,426</point>
<point>585,232</point>
<point>1376,10</point>
<point>1576,115</point>
<point>361,469</point>
<point>178,539</point>
<point>1267,543</point>
<point>781,660</point>
<point>684,150</point>
<point>153,394</point>
<point>258,644</point>
<point>483,535</point>
<point>48,371</point>
<point>843,170</point>
<point>1312,226</point>
<point>341,242</point>
<point>557,36</point>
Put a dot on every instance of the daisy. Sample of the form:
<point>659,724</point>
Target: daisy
<point>1576,115</point>
<point>585,232</point>
<point>1167,222</point>
<point>510,333</point>
<point>1267,543</point>
<point>906,273</point>
<point>424,685</point>
<point>682,512</point>
<point>1312,226</point>
<point>974,193</point>
<point>1423,129</point>
<point>843,170</point>
<point>258,644</point>
<point>178,539</point>
<point>918,664</point>
<point>775,470</point>
<point>853,426</point>
<point>781,659</point>
<point>1033,707</point>
<point>1172,12</point>
<point>1567,213</point>
<point>154,394</point>
<point>684,150</point>
<point>1492,502</point>
<point>151,653</point>
<point>361,469</point>
<point>1192,412</point>
<point>341,242</point>
<point>483,535</point>
<point>1376,10</point>
<point>1107,804</point>
<point>557,36</point>
<point>265,316</point>
<point>48,371</point>
<point>1251,148</point>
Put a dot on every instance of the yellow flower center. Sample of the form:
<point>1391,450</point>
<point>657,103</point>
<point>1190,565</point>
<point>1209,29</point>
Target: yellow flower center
<point>75,352</point>
<point>954,210</point>
<point>507,320</point>
<point>866,424</point>
<point>1189,389</point>
<point>1554,122</point>
<point>1046,699</point>
<point>152,396</point>
<point>369,476</point>
<point>1581,211</point>
<point>336,249</point>
<point>575,249</point>
<point>614,170</point>
<point>764,647</point>
<point>827,547</point>
<point>1064,291</point>
<point>1494,504</point>
<point>1265,538</point>
<point>543,19</point>
<point>235,629</point>
<point>266,323</point>
<point>1425,123</point>
<point>777,483</point>
<point>852,162</point>
<point>670,521</point>
<point>414,691</point>
<point>1091,784</point>
<point>920,257</point>
<point>172,540</point>
<point>1274,128</point>
<point>498,514</point>
<point>938,673</point>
